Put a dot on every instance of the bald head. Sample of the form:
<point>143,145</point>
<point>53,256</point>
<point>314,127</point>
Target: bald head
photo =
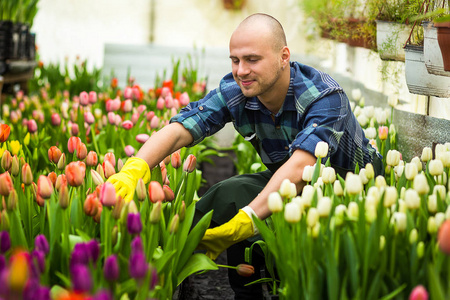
<point>266,25</point>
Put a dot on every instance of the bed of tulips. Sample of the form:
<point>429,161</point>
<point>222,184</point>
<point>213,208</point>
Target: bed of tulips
<point>363,236</point>
<point>64,234</point>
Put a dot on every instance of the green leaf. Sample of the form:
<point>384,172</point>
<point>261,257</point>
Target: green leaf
<point>162,262</point>
<point>196,263</point>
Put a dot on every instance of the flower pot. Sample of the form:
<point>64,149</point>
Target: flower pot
<point>5,39</point>
<point>391,37</point>
<point>233,4</point>
<point>418,80</point>
<point>352,32</point>
<point>432,52</point>
<point>443,37</point>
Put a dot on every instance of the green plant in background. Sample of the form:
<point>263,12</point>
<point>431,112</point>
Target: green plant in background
<point>22,11</point>
<point>247,159</point>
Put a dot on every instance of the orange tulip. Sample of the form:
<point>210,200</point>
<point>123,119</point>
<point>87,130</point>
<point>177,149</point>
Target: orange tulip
<point>168,193</point>
<point>44,187</point>
<point>111,158</point>
<point>54,154</point>
<point>6,184</point>
<point>74,174</point>
<point>90,206</point>
<point>175,160</point>
<point>53,177</point>
<point>73,143</point>
<point>5,130</point>
<point>155,192</point>
<point>60,180</point>
<point>444,237</point>
<point>190,163</point>
<point>91,159</point>
<point>81,151</point>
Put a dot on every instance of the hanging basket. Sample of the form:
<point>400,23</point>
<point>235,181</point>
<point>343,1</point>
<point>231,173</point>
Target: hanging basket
<point>443,37</point>
<point>432,52</point>
<point>391,37</point>
<point>418,80</point>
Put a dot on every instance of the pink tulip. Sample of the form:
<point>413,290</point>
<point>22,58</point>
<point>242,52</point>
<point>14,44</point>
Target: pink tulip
<point>190,163</point>
<point>169,195</point>
<point>56,119</point>
<point>155,192</point>
<point>44,187</point>
<point>73,143</point>
<point>92,97</point>
<point>127,124</point>
<point>160,103</point>
<point>173,112</point>
<point>109,169</point>
<point>184,99</point>
<point>141,108</point>
<point>129,150</point>
<point>383,132</point>
<point>142,138</point>
<point>419,293</point>
<point>6,184</point>
<point>84,98</point>
<point>32,126</point>
<point>136,93</point>
<point>175,160</point>
<point>113,104</point>
<point>111,158</point>
<point>89,117</point>
<point>127,105</point>
<point>150,115</point>
<point>176,104</point>
<point>154,123</point>
<point>75,129</point>
<point>169,102</point>
<point>91,159</point>
<point>27,175</point>
<point>117,120</point>
<point>108,194</point>
<point>128,92</point>
<point>165,91</point>
<point>14,117</point>
<point>134,118</point>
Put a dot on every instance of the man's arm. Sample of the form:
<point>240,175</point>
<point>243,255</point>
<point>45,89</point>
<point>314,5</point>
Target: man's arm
<point>292,169</point>
<point>164,142</point>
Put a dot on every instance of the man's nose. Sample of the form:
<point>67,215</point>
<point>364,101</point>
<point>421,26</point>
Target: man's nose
<point>243,69</point>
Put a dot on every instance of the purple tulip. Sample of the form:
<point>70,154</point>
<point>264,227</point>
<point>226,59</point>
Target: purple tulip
<point>136,245</point>
<point>154,278</point>
<point>2,263</point>
<point>5,241</point>
<point>93,250</point>
<point>39,260</point>
<point>137,265</point>
<point>134,223</point>
<point>81,278</point>
<point>111,268</point>
<point>103,295</point>
<point>34,291</point>
<point>41,244</point>
<point>80,255</point>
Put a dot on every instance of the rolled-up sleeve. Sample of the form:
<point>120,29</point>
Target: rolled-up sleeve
<point>204,117</point>
<point>324,120</point>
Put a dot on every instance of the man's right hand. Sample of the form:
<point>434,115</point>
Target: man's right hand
<point>125,181</point>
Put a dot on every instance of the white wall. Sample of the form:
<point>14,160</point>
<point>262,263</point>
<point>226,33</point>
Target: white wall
<point>82,27</point>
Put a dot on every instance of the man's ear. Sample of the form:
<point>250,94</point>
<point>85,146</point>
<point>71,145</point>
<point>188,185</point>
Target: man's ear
<point>285,56</point>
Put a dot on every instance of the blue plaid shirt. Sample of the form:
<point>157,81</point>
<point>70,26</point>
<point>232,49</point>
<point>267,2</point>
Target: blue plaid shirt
<point>315,109</point>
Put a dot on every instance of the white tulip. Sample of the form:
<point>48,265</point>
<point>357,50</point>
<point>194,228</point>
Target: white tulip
<point>362,120</point>
<point>439,190</point>
<point>321,150</point>
<point>402,206</point>
<point>275,202</point>
<point>439,218</point>
<point>440,148</point>
<point>353,210</point>
<point>288,189</point>
<point>369,111</point>
<point>315,231</point>
<point>432,203</point>
<point>392,101</point>
<point>427,154</point>
<point>399,221</point>
<point>353,184</point>
<point>390,196</point>
<point>410,171</point>
<point>337,188</point>
<point>442,179</point>
<point>393,158</point>
<point>352,105</point>
<point>370,172</point>
<point>371,213</point>
<point>356,94</point>
<point>328,175</point>
<point>308,172</point>
<point>307,194</point>
<point>431,225</point>
<point>413,235</point>
<point>319,183</point>
<point>381,117</point>
<point>445,158</point>
<point>370,133</point>
<point>324,206</point>
<point>380,182</point>
<point>436,167</point>
<point>447,213</point>
<point>339,213</point>
<point>416,160</point>
<point>382,242</point>
<point>363,176</point>
<point>421,184</point>
<point>292,212</point>
<point>412,199</point>
<point>312,217</point>
<point>398,170</point>
<point>357,111</point>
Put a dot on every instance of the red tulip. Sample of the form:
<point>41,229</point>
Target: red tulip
<point>169,195</point>
<point>419,293</point>
<point>53,177</point>
<point>155,192</point>
<point>108,194</point>
<point>81,151</point>
<point>111,158</point>
<point>91,159</point>
<point>6,184</point>
<point>175,160</point>
<point>245,270</point>
<point>54,154</point>
<point>74,174</point>
<point>4,132</point>
<point>90,205</point>
<point>73,143</point>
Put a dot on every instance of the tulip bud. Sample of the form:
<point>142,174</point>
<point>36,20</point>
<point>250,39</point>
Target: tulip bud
<point>111,268</point>
<point>44,187</point>
<point>431,225</point>
<point>174,224</point>
<point>382,242</point>
<point>363,176</point>
<point>12,200</point>
<point>292,212</point>
<point>412,199</point>
<point>119,164</point>
<point>54,154</point>
<point>169,195</point>
<point>155,192</point>
<point>321,150</point>
<point>288,189</point>
<point>275,202</point>
<point>91,159</point>
<point>328,175</point>
<point>432,203</point>
<point>353,211</point>
<point>190,163</point>
<point>380,182</point>
<point>383,132</point>
<point>61,162</point>
<point>410,171</point>
<point>129,150</point>
<point>175,160</point>
<point>399,219</point>
<point>140,190</point>
<point>108,194</point>
<point>27,176</point>
<point>6,161</point>
<point>421,184</point>
<point>337,188</point>
<point>53,177</point>
<point>134,223</point>
<point>6,184</point>
<point>324,206</point>
<point>312,217</point>
<point>436,167</point>
<point>63,199</point>
<point>155,214</point>
<point>419,293</point>
<point>41,244</point>
<point>109,169</point>
<point>101,171</point>
<point>307,174</point>
<point>439,218</point>
<point>138,266</point>
<point>427,154</point>
<point>353,184</point>
<point>90,205</point>
<point>413,235</point>
<point>15,167</point>
<point>390,196</point>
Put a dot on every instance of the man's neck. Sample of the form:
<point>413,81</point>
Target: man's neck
<point>273,100</point>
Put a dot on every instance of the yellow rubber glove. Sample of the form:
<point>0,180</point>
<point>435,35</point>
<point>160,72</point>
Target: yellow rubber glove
<point>218,239</point>
<point>125,181</point>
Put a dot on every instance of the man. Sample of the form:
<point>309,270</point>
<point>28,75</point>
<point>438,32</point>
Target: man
<point>284,109</point>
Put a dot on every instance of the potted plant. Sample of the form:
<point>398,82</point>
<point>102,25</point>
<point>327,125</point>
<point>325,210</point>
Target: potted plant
<point>233,4</point>
<point>443,38</point>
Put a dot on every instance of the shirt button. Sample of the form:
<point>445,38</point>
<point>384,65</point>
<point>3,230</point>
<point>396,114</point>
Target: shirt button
<point>286,147</point>
<point>200,107</point>
<point>278,127</point>
<point>315,125</point>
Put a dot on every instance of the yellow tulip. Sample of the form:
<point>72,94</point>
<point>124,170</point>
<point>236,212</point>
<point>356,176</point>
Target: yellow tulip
<point>14,147</point>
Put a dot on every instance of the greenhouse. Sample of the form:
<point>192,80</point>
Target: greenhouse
<point>224,149</point>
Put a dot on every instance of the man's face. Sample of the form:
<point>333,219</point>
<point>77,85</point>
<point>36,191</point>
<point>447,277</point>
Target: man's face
<point>256,66</point>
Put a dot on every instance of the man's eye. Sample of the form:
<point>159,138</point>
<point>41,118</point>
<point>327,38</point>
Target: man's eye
<point>252,60</point>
